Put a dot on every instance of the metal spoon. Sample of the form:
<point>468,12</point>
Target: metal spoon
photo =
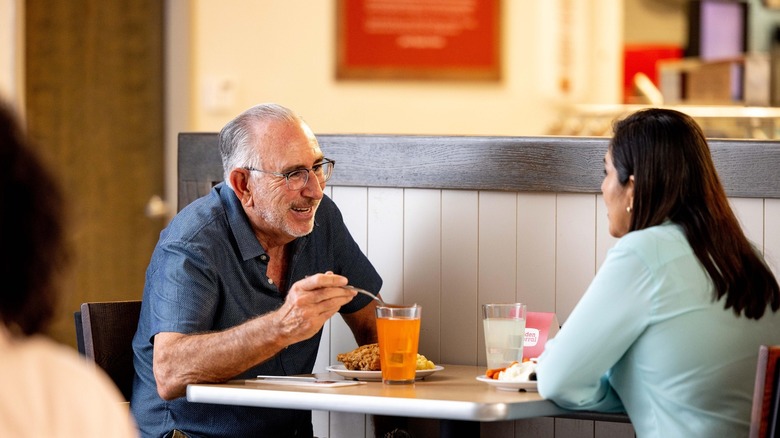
<point>365,292</point>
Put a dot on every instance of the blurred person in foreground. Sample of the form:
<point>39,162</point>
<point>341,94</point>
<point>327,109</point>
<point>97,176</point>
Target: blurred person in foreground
<point>242,281</point>
<point>670,327</point>
<point>47,389</point>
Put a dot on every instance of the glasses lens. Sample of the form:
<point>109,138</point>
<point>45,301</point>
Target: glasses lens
<point>297,179</point>
<point>323,171</point>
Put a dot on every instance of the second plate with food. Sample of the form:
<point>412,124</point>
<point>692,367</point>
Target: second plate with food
<point>505,385</point>
<point>376,376</point>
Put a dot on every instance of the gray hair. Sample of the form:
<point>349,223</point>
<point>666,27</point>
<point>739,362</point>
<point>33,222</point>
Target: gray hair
<point>236,144</point>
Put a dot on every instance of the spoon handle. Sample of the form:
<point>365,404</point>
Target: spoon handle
<point>364,292</point>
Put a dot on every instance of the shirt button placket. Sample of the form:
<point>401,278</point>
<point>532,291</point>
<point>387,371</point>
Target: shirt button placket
<point>264,258</point>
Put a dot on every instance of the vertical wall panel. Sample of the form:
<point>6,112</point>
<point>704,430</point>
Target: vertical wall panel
<point>385,239</point>
<point>604,241</point>
<point>750,213</point>
<point>498,429</point>
<point>324,353</point>
<point>353,203</point>
<point>497,246</point>
<point>422,264</point>
<point>320,421</point>
<point>536,251</point>
<point>568,428</point>
<point>536,275</point>
<point>604,429</point>
<point>575,250</point>
<point>497,266</point>
<point>459,258</point>
<point>344,424</point>
<point>772,234</point>
<point>422,276</point>
<point>543,427</point>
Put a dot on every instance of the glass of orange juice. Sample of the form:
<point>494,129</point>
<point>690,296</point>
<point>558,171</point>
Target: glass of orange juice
<point>398,329</point>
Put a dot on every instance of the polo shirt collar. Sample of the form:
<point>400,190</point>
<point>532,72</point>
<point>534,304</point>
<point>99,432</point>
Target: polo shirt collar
<point>245,238</point>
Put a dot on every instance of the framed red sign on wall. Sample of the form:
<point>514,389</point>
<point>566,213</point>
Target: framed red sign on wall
<point>419,39</point>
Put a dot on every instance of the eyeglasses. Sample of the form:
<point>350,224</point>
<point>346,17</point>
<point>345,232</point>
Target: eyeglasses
<point>298,178</point>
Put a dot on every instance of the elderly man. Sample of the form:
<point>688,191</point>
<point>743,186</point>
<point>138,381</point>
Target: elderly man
<point>242,281</point>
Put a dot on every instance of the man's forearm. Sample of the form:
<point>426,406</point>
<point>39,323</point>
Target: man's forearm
<point>212,357</point>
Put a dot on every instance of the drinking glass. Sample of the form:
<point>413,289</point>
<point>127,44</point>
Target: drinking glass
<point>504,333</point>
<point>398,330</point>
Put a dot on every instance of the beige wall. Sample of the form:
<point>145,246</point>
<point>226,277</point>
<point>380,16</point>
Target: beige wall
<point>11,31</point>
<point>284,52</point>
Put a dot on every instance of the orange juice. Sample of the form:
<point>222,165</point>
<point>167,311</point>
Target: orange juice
<point>398,330</point>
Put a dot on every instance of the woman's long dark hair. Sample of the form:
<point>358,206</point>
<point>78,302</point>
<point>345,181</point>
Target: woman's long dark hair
<point>675,179</point>
<point>32,248</point>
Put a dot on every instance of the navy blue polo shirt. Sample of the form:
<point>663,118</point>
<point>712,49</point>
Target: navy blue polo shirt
<point>208,273</point>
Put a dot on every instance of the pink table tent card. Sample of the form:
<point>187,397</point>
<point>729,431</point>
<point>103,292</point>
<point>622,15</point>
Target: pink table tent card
<point>539,327</point>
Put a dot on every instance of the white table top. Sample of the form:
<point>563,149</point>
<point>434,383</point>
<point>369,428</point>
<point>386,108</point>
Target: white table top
<point>453,394</point>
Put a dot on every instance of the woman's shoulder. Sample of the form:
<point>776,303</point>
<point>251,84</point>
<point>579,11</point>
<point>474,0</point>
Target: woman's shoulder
<point>661,241</point>
<point>79,395</point>
<point>667,231</point>
<point>59,366</point>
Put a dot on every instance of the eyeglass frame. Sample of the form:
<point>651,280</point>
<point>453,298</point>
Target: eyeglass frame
<point>287,175</point>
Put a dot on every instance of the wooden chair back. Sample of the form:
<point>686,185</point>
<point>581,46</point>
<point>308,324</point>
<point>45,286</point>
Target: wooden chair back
<point>108,329</point>
<point>199,166</point>
<point>763,419</point>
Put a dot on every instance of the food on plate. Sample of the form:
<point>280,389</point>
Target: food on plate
<point>363,358</point>
<point>516,372</point>
<point>492,373</point>
<point>423,363</point>
<point>366,358</point>
<point>519,372</point>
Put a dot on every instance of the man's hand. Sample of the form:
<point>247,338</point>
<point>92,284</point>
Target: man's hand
<point>310,303</point>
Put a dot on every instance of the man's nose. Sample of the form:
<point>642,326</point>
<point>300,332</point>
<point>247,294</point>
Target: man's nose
<point>313,187</point>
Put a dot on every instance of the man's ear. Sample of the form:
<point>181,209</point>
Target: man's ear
<point>239,179</point>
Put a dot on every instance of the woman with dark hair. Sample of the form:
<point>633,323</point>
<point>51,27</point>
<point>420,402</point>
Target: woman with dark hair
<point>47,390</point>
<point>669,329</point>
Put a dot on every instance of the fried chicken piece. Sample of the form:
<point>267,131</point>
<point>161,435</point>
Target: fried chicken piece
<point>363,358</point>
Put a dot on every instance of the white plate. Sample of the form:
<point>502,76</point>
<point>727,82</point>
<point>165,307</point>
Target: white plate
<point>376,376</point>
<point>528,385</point>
